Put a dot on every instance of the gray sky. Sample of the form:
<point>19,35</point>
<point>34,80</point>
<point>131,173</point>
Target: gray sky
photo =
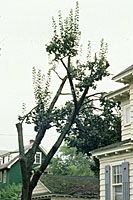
<point>25,28</point>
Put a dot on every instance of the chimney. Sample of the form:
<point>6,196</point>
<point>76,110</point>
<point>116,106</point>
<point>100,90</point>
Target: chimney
<point>31,141</point>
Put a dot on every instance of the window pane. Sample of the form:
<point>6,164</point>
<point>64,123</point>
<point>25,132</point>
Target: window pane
<point>38,158</point>
<point>114,170</point>
<point>4,178</point>
<point>114,179</point>
<point>127,114</point>
<point>119,179</point>
<point>117,192</point>
<point>117,182</point>
<point>120,169</point>
<point>116,174</point>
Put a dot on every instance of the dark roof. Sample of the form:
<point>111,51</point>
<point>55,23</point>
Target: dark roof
<point>124,71</point>
<point>72,185</point>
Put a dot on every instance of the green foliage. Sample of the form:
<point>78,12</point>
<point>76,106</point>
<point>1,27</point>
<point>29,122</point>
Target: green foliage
<point>95,128</point>
<point>93,70</point>
<point>65,42</point>
<point>42,98</point>
<point>39,115</point>
<point>11,192</point>
<point>41,87</point>
<point>97,125</point>
<point>69,162</point>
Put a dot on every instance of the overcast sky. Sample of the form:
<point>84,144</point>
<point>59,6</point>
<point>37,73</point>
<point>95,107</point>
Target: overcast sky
<point>25,28</point>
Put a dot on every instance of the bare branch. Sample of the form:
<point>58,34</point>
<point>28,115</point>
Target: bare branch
<point>82,98</point>
<point>58,74</point>
<point>63,64</point>
<point>89,100</point>
<point>93,107</point>
<point>66,94</point>
<point>95,94</point>
<point>70,80</point>
<point>20,138</point>
<point>22,155</point>
<point>57,94</point>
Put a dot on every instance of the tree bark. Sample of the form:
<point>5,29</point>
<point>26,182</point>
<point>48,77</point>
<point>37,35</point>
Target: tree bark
<point>24,173</point>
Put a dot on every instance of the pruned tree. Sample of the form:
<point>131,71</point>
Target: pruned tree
<point>81,77</point>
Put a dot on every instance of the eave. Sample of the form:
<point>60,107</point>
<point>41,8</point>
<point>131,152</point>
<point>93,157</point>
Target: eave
<point>125,76</point>
<point>114,149</point>
<point>47,196</point>
<point>119,94</point>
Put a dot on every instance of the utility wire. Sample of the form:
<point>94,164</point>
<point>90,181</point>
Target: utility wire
<point>24,135</point>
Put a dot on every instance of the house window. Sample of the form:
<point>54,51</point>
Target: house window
<point>0,176</point>
<point>38,157</point>
<point>127,115</point>
<point>117,182</point>
<point>3,159</point>
<point>4,177</point>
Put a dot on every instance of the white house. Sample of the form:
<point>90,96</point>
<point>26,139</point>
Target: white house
<point>116,160</point>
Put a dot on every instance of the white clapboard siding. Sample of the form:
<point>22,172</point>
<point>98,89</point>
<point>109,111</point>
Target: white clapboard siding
<point>40,188</point>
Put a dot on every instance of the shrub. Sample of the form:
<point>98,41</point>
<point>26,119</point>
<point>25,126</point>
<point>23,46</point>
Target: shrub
<point>11,192</point>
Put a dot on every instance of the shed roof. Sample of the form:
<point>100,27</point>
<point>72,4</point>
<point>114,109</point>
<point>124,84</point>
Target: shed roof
<point>70,186</point>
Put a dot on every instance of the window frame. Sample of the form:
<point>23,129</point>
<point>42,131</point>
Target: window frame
<point>0,176</point>
<point>126,123</point>
<point>1,162</point>
<point>4,176</point>
<point>40,154</point>
<point>125,179</point>
<point>111,177</point>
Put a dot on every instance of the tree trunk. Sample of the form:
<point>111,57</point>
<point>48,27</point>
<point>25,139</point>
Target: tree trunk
<point>24,194</point>
<point>30,193</point>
